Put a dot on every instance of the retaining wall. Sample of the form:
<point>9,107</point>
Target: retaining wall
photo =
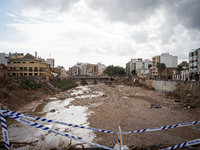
<point>163,86</point>
<point>169,86</point>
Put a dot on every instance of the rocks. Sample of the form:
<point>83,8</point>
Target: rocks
<point>52,110</point>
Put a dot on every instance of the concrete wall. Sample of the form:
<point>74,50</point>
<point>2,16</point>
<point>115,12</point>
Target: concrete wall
<point>163,86</point>
<point>169,86</point>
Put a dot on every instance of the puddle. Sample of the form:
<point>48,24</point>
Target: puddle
<point>58,110</point>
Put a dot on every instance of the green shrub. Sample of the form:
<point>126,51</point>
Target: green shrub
<point>65,84</point>
<point>178,94</point>
<point>27,84</point>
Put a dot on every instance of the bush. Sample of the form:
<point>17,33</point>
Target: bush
<point>178,94</point>
<point>27,84</point>
<point>65,84</point>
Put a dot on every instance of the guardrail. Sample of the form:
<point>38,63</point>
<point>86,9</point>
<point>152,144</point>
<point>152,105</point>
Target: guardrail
<point>21,118</point>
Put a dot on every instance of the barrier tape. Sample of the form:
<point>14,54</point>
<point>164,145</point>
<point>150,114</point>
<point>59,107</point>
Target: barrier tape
<point>5,131</point>
<point>193,142</point>
<point>54,131</point>
<point>15,116</point>
<point>164,127</point>
<point>47,120</point>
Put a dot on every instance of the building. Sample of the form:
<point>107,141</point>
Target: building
<point>194,64</point>
<point>51,63</point>
<point>3,59</point>
<point>84,69</point>
<point>137,64</point>
<point>169,61</point>
<point>101,68</point>
<point>29,67</point>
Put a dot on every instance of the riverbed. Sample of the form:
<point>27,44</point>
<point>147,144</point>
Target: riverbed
<point>107,107</point>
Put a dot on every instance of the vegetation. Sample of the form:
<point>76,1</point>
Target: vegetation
<point>179,69</point>
<point>179,94</point>
<point>133,72</point>
<point>65,84</point>
<point>161,67</point>
<point>112,71</point>
<point>28,84</point>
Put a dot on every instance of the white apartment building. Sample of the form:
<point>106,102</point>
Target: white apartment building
<point>51,62</point>
<point>137,64</point>
<point>169,60</point>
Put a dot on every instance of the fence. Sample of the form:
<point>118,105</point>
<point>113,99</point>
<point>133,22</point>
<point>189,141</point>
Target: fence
<point>21,118</point>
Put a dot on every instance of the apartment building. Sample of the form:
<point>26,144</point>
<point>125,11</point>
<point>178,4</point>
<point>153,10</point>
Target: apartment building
<point>137,64</point>
<point>169,61</point>
<point>194,64</point>
<point>51,62</point>
<point>84,69</point>
<point>28,66</point>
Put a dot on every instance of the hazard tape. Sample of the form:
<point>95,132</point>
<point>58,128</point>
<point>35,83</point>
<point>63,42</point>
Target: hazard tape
<point>164,127</point>
<point>47,120</point>
<point>193,142</point>
<point>15,116</point>
<point>5,131</point>
<point>36,125</point>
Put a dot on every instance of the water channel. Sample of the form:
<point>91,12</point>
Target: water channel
<point>57,110</point>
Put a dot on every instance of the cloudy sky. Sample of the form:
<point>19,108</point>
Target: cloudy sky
<point>106,31</point>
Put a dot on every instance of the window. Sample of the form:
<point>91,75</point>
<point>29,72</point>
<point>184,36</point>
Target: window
<point>30,74</point>
<point>25,74</point>
<point>35,74</point>
<point>32,62</point>
<point>30,68</point>
<point>35,69</point>
<point>23,62</point>
<point>21,74</point>
<point>25,68</point>
<point>21,68</point>
<point>13,74</point>
<point>14,68</point>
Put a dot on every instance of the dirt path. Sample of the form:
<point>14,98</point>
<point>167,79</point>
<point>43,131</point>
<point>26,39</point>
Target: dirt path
<point>130,108</point>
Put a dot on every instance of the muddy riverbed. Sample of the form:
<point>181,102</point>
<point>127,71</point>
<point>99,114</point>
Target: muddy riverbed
<point>107,107</point>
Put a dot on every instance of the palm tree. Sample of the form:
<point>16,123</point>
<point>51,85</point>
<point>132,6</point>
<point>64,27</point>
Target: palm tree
<point>161,67</point>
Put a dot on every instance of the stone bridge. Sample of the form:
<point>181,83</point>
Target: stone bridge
<point>90,79</point>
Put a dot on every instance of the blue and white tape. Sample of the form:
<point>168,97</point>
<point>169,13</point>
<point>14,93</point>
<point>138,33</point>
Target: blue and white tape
<point>164,127</point>
<point>5,131</point>
<point>36,125</point>
<point>47,120</point>
<point>193,142</point>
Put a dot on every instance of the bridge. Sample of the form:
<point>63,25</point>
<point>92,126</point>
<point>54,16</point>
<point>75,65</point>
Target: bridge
<point>84,82</point>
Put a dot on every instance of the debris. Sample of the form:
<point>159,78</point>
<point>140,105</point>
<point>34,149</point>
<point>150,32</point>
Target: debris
<point>52,110</point>
<point>104,95</point>
<point>177,101</point>
<point>117,147</point>
<point>155,106</point>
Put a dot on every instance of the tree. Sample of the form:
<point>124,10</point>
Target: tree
<point>111,71</point>
<point>133,72</point>
<point>121,71</point>
<point>179,69</point>
<point>161,67</point>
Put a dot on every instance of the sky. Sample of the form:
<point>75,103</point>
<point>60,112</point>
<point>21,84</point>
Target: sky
<point>108,31</point>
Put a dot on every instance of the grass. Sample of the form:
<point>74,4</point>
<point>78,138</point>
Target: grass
<point>65,84</point>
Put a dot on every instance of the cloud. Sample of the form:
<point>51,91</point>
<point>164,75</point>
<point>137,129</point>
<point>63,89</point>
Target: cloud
<point>129,11</point>
<point>140,36</point>
<point>49,5</point>
<point>11,15</point>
